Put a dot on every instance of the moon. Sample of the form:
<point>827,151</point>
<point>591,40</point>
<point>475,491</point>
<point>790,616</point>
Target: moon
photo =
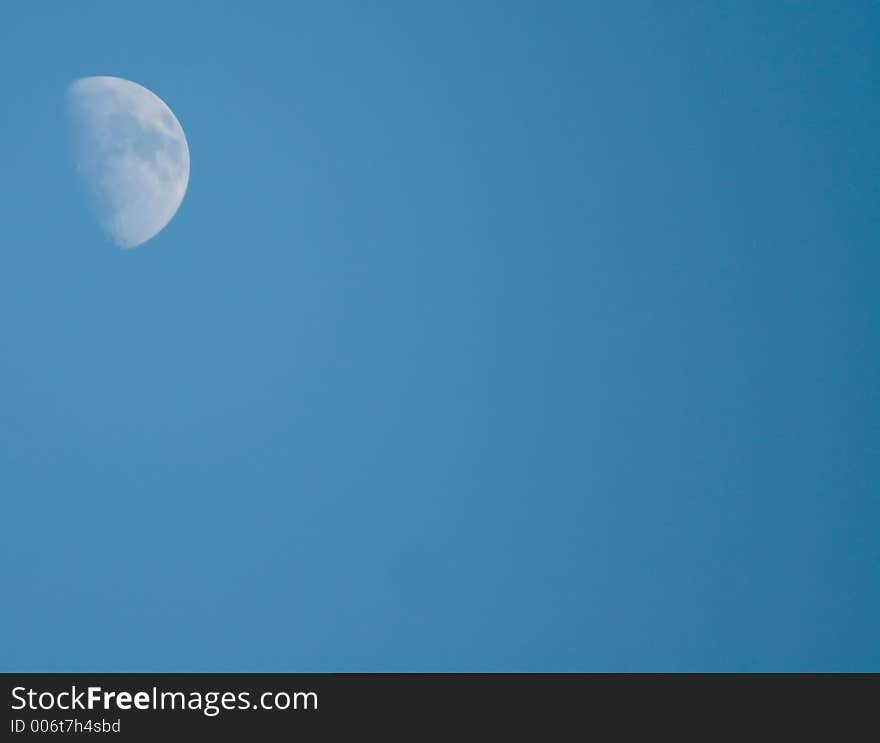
<point>132,156</point>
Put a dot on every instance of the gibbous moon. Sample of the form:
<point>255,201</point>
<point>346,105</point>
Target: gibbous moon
<point>132,155</point>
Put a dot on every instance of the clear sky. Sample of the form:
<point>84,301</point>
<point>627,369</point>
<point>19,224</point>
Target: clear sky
<point>489,336</point>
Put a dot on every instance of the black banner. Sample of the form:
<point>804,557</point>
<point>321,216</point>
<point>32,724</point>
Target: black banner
<point>268,706</point>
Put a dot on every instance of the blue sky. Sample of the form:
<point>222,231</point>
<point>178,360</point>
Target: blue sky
<point>489,336</point>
